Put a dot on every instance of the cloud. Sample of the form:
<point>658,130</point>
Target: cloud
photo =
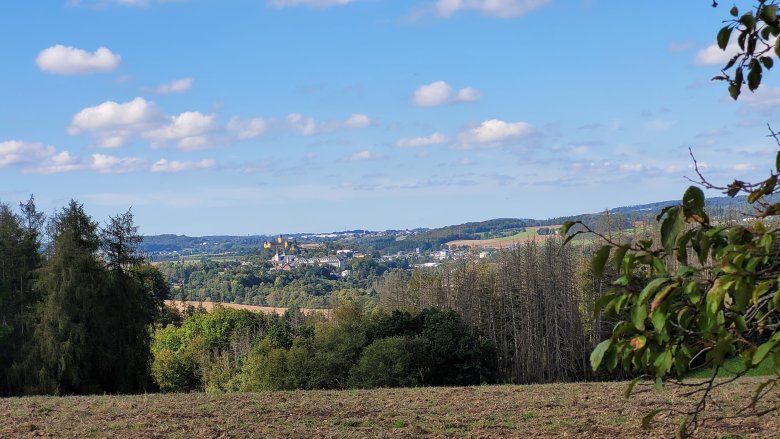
<point>493,8</point>
<point>742,167</point>
<point>416,142</point>
<point>712,55</point>
<point>308,126</point>
<point>108,164</point>
<point>65,60</point>
<point>176,86</point>
<point>164,165</point>
<point>365,155</point>
<point>440,93</point>
<point>189,131</point>
<point>114,124</point>
<point>322,4</point>
<point>36,158</point>
<point>247,128</point>
<point>15,152</point>
<point>493,133</point>
<point>763,98</point>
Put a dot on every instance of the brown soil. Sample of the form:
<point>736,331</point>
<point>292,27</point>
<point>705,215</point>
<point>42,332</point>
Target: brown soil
<point>585,410</point>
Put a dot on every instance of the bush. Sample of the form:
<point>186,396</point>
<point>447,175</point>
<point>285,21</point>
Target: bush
<point>388,362</point>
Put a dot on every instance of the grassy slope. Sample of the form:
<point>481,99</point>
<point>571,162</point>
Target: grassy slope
<point>734,365</point>
<point>559,410</point>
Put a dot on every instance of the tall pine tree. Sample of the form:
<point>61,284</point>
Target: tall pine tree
<point>93,335</point>
<point>19,258</point>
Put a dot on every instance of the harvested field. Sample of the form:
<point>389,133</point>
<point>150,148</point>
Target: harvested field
<point>585,410</point>
<point>208,306</point>
<point>505,242</point>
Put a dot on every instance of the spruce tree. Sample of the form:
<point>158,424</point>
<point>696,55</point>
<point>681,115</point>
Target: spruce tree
<point>19,258</point>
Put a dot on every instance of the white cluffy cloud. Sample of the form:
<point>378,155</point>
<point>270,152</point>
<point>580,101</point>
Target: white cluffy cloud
<point>109,164</point>
<point>115,124</point>
<point>416,142</point>
<point>247,128</point>
<point>176,86</point>
<point>493,133</point>
<point>66,60</point>
<point>308,126</point>
<point>440,93</point>
<point>164,165</point>
<point>713,55</point>
<point>188,130</point>
<point>493,8</point>
<point>311,3</point>
<point>36,158</point>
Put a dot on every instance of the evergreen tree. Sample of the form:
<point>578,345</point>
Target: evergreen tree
<point>93,332</point>
<point>19,257</point>
<point>73,282</point>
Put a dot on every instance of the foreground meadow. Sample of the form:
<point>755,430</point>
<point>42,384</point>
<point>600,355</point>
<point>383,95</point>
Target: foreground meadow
<point>583,410</point>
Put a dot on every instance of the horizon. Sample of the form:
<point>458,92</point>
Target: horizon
<point>324,115</point>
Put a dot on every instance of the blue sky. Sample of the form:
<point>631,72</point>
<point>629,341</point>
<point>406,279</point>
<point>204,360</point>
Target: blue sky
<point>255,117</point>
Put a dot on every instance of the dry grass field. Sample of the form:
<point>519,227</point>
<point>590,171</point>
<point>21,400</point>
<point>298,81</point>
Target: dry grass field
<point>208,306</point>
<point>585,410</point>
<point>505,242</point>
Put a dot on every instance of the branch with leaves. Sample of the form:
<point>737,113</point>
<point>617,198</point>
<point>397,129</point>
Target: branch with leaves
<point>721,302</point>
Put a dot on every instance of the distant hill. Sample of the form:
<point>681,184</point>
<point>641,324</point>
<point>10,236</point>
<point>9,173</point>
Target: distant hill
<point>392,241</point>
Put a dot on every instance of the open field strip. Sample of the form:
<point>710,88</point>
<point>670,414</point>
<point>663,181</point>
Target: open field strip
<point>529,235</point>
<point>208,306</point>
<point>582,410</point>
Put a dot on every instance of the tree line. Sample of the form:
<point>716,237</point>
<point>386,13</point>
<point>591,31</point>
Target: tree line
<point>76,303</point>
<point>361,347</point>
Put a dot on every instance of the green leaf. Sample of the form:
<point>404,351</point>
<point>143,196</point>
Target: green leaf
<point>617,258</point>
<point>754,77</point>
<point>740,324</point>
<point>598,353</point>
<point>769,13</point>
<point>748,20</point>
<point>723,37</point>
<point>777,162</point>
<point>660,297</point>
<point>764,349</point>
<point>650,289</point>
<point>663,363</point>
<point>693,199</point>
<point>734,11</point>
<point>741,39</point>
<point>659,266</point>
<point>671,227</point>
<point>716,294</point>
<point>630,387</point>
<point>600,260</point>
<point>767,62</point>
<point>648,418</point>
<point>638,316</point>
<point>659,319</point>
